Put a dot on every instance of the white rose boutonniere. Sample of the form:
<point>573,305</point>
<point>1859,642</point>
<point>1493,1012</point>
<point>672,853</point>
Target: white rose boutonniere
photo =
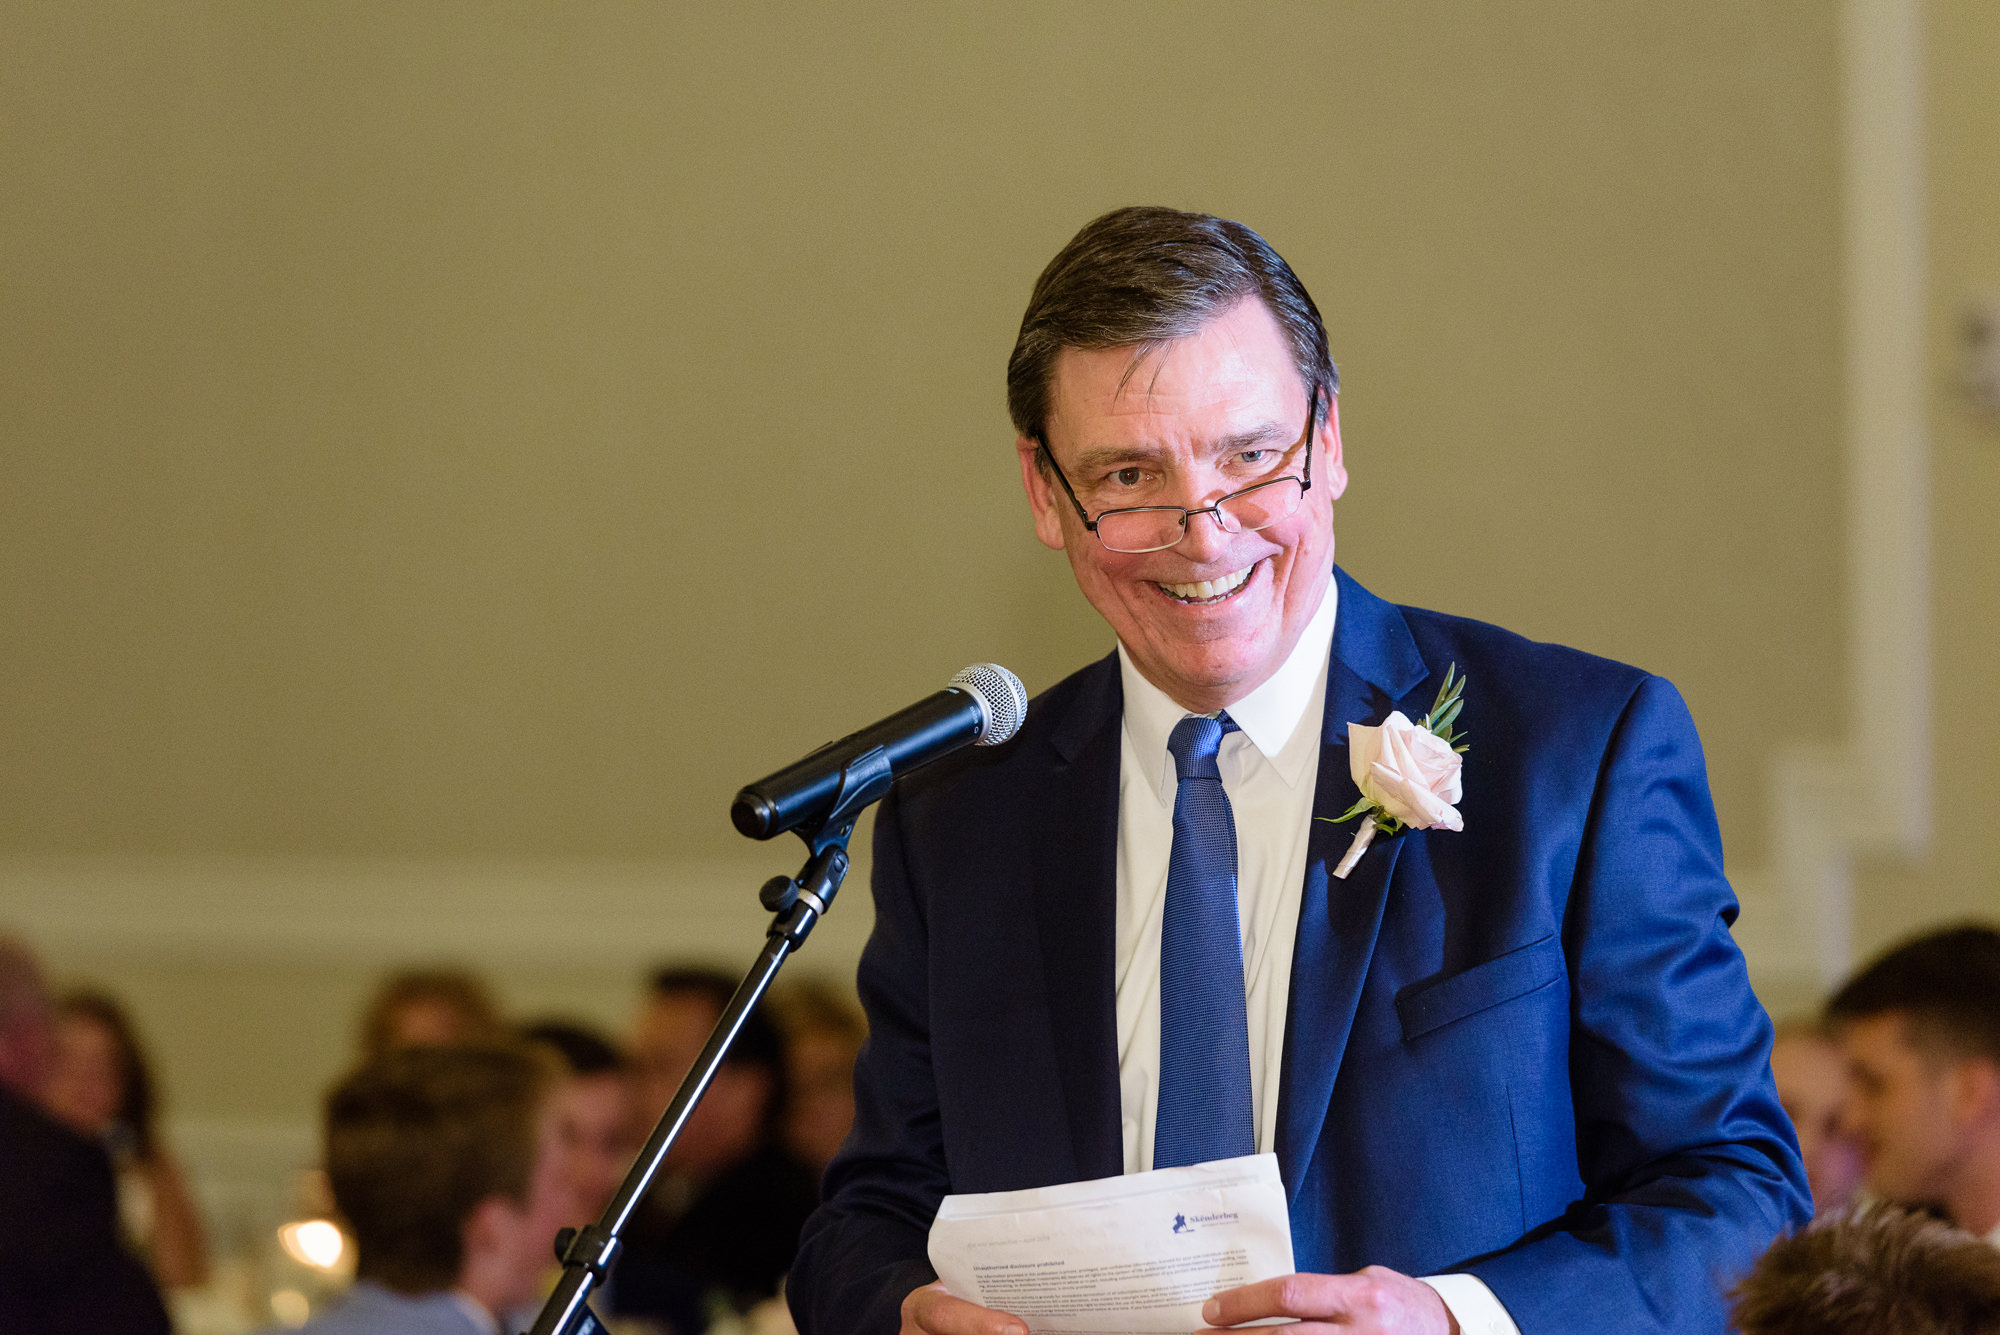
<point>1408,773</point>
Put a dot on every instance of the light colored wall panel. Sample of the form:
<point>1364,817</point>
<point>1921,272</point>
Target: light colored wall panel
<point>467,442</point>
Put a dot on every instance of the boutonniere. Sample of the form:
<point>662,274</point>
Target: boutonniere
<point>1407,772</point>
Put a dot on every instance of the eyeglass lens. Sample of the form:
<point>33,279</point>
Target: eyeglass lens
<point>1149,530</point>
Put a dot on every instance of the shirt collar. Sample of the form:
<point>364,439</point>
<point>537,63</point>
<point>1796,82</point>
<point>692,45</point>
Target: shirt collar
<point>1269,716</point>
<point>475,1312</point>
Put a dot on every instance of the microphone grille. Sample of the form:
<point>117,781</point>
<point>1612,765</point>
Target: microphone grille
<point>1000,694</point>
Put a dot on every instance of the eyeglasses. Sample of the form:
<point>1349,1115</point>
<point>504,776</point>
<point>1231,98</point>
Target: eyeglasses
<point>1152,528</point>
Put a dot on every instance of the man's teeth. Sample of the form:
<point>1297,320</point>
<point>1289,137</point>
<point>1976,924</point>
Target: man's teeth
<point>1209,588</point>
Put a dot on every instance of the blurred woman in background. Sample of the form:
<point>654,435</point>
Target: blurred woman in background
<point>103,1087</point>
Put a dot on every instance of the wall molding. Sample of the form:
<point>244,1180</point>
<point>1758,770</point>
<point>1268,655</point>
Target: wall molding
<point>1867,795</point>
<point>380,912</point>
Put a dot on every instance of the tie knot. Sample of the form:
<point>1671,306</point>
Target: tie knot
<point>1194,742</point>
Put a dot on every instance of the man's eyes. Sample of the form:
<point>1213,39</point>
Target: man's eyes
<point>1129,477</point>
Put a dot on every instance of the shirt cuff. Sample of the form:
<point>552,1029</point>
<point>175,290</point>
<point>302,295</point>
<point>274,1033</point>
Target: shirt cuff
<point>1472,1304</point>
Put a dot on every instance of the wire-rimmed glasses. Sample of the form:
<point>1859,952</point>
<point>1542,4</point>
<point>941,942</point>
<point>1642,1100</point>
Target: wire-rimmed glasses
<point>1152,528</point>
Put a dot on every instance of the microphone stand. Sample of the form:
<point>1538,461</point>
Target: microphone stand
<point>797,903</point>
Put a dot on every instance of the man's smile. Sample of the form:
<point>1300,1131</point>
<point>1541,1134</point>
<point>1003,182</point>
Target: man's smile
<point>1208,590</point>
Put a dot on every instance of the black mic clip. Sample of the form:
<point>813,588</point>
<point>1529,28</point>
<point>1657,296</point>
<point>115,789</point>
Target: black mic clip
<point>864,780</point>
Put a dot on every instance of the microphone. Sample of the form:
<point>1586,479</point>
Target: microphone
<point>983,705</point>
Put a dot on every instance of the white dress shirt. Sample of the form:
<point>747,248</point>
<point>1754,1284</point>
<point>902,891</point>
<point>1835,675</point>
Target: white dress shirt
<point>1269,770</point>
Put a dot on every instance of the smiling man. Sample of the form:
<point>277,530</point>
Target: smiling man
<point>1921,1028</point>
<point>1506,1054</point>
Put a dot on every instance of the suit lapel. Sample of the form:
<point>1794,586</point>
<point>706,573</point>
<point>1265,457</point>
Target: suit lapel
<point>1375,663</point>
<point>1076,871</point>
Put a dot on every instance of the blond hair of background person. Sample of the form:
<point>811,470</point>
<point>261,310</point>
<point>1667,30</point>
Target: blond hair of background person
<point>1883,1271</point>
<point>1921,1029</point>
<point>62,1269</point>
<point>446,1166</point>
<point>430,1007</point>
<point>1815,1089</point>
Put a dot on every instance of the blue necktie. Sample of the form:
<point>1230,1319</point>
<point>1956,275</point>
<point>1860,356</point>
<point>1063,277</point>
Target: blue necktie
<point>1204,1109</point>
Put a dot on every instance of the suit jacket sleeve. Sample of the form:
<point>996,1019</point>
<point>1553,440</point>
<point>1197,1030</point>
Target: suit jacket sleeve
<point>1688,1163</point>
<point>864,1250</point>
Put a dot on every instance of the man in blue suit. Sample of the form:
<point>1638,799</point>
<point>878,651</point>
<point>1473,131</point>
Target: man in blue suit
<point>1510,1064</point>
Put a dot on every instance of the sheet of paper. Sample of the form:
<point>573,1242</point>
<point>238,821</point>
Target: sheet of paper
<point>1137,1254</point>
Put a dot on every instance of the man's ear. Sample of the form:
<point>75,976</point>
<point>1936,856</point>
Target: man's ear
<point>1975,1092</point>
<point>1330,464</point>
<point>486,1231</point>
<point>1044,496</point>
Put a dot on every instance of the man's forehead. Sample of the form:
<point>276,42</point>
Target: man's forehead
<point>1237,362</point>
<point>1894,1037</point>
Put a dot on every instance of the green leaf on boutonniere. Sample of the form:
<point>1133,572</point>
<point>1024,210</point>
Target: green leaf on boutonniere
<point>1365,804</point>
<point>1444,713</point>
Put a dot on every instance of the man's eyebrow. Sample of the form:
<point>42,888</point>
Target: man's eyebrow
<point>1254,437</point>
<point>1110,456</point>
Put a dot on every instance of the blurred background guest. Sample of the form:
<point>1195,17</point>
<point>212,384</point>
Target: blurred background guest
<point>596,1118</point>
<point>824,1029</point>
<point>1885,1271</point>
<point>430,1007</point>
<point>717,1234</point>
<point>1921,1029</point>
<point>102,1086</point>
<point>62,1267</point>
<point>1811,1074</point>
<point>447,1169</point>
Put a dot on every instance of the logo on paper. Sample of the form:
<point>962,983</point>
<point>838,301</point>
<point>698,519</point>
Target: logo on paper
<point>1218,1219</point>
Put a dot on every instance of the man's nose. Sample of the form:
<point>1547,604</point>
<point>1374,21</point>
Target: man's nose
<point>1205,536</point>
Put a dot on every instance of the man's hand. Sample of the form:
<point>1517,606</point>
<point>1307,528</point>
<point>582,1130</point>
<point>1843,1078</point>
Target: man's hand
<point>1374,1301</point>
<point>932,1311</point>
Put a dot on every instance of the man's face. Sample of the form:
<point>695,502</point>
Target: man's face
<point>1199,418</point>
<point>728,1124</point>
<point>509,1244</point>
<point>1902,1111</point>
<point>595,1124</point>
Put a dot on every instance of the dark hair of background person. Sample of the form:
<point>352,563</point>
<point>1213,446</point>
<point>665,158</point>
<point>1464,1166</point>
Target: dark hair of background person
<point>137,1116</point>
<point>583,1049</point>
<point>458,989</point>
<point>1143,276</point>
<point>759,1042</point>
<point>416,1138</point>
<point>1881,1271</point>
<point>1946,982</point>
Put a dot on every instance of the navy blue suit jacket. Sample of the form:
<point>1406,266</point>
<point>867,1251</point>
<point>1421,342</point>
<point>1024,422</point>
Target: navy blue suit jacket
<point>1528,1051</point>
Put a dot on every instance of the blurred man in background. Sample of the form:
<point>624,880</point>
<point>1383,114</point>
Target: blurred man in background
<point>1813,1085</point>
<point>720,1229</point>
<point>447,1167</point>
<point>61,1266</point>
<point>596,1118</point>
<point>1921,1028</point>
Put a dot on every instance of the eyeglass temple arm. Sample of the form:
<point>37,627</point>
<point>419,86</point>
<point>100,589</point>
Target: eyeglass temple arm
<point>1089,524</point>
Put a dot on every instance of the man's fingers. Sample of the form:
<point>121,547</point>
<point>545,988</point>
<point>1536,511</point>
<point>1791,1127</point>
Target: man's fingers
<point>1375,1299</point>
<point>1289,1295</point>
<point>932,1311</point>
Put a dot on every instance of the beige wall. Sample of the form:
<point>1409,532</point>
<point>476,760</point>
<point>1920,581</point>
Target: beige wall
<point>1960,876</point>
<point>450,448</point>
